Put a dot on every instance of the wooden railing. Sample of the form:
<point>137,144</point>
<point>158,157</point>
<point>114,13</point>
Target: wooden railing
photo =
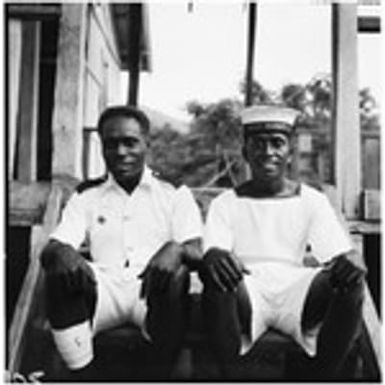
<point>20,213</point>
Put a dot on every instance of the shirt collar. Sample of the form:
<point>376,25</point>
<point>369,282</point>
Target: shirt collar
<point>146,181</point>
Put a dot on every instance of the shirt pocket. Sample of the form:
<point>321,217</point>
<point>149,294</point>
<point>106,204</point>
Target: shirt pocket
<point>106,235</point>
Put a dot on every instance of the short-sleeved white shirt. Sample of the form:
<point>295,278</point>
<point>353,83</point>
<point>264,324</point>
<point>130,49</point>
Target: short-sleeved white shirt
<point>275,229</point>
<point>123,228</point>
<point>270,235</point>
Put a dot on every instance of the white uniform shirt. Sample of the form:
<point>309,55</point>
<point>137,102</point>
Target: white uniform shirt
<point>124,229</point>
<point>275,229</point>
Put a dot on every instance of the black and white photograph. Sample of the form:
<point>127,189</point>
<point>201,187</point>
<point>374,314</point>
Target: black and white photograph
<point>192,191</point>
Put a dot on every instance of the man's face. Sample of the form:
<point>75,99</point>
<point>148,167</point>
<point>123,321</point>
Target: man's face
<point>267,154</point>
<point>124,147</point>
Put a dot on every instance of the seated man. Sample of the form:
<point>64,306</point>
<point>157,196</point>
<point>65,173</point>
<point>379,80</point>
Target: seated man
<point>142,233</point>
<point>255,239</point>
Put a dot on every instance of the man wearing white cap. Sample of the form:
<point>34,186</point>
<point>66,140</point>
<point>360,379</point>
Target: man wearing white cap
<point>255,238</point>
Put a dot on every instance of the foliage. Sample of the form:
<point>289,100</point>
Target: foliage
<point>210,153</point>
<point>259,94</point>
<point>313,100</point>
<point>194,158</point>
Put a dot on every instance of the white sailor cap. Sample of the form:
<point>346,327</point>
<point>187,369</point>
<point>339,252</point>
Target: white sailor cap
<point>269,118</point>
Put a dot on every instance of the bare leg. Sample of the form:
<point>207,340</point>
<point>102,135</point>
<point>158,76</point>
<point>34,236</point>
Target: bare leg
<point>66,310</point>
<point>226,315</point>
<point>341,316</point>
<point>223,328</point>
<point>167,320</point>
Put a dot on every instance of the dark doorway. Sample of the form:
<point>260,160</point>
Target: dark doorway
<point>48,59</point>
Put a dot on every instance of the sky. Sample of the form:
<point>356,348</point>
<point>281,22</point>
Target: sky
<point>201,55</point>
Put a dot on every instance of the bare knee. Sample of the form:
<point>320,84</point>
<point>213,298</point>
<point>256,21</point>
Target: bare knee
<point>167,310</point>
<point>321,296</point>
<point>354,295</point>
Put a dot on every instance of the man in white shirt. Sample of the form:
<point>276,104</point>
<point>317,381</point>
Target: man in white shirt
<point>255,238</point>
<point>143,235</point>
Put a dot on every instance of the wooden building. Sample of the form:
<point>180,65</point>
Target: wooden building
<point>64,64</point>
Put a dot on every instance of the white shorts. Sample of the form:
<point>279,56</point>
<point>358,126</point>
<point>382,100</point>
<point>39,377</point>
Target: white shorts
<point>277,294</point>
<point>118,299</point>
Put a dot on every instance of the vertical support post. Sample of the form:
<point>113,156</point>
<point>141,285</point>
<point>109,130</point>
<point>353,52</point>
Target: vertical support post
<point>250,64</point>
<point>346,125</point>
<point>250,53</point>
<point>135,19</point>
<point>28,102</point>
<point>67,121</point>
<point>14,34</point>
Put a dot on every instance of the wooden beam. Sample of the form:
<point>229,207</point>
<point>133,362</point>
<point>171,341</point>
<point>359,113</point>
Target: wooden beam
<point>346,125</point>
<point>122,24</point>
<point>371,159</point>
<point>28,102</point>
<point>371,204</point>
<point>369,24</point>
<point>135,25</point>
<point>250,53</point>
<point>145,47</point>
<point>14,48</point>
<point>364,227</point>
<point>67,119</point>
<point>33,11</point>
<point>24,305</point>
<point>373,326</point>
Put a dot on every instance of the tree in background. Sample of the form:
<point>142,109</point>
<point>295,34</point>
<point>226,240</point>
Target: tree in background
<point>218,127</point>
<point>313,100</point>
<point>259,94</point>
<point>196,158</point>
<point>210,153</point>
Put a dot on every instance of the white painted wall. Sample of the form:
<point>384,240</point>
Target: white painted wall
<point>14,61</point>
<point>102,79</point>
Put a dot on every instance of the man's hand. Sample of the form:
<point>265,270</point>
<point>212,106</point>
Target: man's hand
<point>67,266</point>
<point>160,269</point>
<point>222,269</point>
<point>344,273</point>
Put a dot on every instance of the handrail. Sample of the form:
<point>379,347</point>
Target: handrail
<point>373,325</point>
<point>23,309</point>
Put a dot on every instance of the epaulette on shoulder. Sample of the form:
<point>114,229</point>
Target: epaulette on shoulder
<point>166,179</point>
<point>87,184</point>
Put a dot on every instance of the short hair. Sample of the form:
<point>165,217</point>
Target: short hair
<point>124,111</point>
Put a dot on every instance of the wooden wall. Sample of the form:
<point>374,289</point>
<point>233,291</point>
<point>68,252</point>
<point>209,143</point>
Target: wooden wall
<point>86,78</point>
<point>102,81</point>
<point>14,63</point>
